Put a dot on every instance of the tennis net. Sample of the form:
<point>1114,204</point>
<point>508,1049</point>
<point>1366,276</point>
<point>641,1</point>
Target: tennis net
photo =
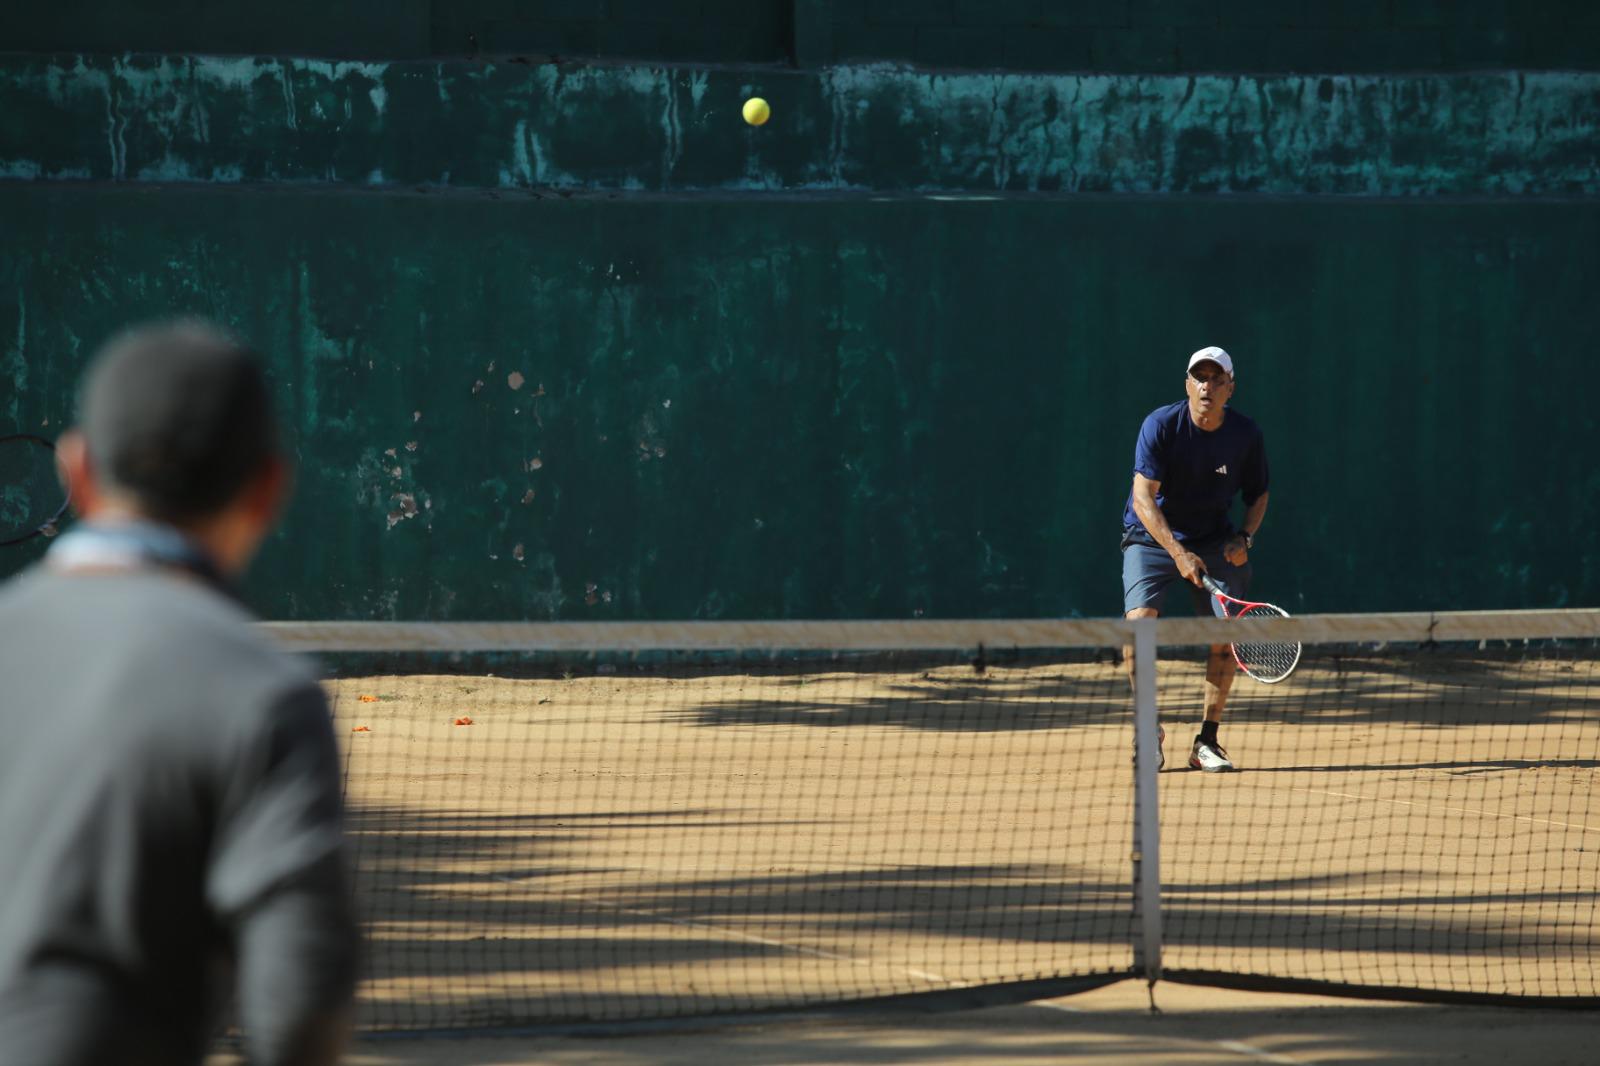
<point>575,824</point>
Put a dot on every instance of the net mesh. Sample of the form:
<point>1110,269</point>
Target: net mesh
<point>614,837</point>
<point>652,829</point>
<point>1412,817</point>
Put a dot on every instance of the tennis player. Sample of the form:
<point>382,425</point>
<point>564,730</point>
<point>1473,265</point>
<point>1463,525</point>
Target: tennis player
<point>1192,459</point>
<point>170,810</point>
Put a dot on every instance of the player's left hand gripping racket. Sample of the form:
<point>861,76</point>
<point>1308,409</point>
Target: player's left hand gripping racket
<point>33,497</point>
<point>1267,662</point>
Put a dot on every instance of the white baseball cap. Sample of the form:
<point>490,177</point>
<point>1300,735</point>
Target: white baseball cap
<point>1213,355</point>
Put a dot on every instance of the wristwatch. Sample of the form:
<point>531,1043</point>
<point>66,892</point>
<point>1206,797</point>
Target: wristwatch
<point>1249,541</point>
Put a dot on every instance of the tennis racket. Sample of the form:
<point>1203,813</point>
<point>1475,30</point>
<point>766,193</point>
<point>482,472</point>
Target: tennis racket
<point>33,496</point>
<point>1268,662</point>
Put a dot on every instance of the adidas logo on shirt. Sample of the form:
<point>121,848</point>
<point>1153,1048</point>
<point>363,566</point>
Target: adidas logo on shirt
<point>1223,469</point>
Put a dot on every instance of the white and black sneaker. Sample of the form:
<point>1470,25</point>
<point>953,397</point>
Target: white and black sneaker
<point>1209,757</point>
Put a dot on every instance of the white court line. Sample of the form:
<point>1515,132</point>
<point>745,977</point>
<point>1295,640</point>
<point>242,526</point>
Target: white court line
<point>734,934</point>
<point>1242,1048</point>
<point>1238,1047</point>
<point>1442,807</point>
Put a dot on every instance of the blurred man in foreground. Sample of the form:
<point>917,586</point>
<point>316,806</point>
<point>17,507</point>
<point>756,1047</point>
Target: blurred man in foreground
<point>170,814</point>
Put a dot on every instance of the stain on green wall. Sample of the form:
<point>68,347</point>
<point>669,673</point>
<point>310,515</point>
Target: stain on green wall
<point>753,407</point>
<point>511,126</point>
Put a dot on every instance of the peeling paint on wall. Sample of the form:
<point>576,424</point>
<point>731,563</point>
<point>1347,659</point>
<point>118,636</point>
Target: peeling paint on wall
<point>877,129</point>
<point>405,507</point>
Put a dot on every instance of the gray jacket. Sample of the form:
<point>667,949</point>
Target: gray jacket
<point>170,827</point>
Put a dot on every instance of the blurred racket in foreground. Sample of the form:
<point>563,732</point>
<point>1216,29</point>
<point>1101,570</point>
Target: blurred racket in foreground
<point>33,497</point>
<point>1265,661</point>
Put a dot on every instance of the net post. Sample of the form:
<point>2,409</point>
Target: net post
<point>1146,811</point>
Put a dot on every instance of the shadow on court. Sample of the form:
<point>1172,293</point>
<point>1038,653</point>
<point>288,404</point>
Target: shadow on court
<point>483,922</point>
<point>1441,687</point>
<point>976,704</point>
<point>1458,767</point>
<point>1111,1026</point>
<point>511,895</point>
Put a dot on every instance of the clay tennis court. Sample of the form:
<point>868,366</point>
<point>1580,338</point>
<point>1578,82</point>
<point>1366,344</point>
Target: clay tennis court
<point>655,842</point>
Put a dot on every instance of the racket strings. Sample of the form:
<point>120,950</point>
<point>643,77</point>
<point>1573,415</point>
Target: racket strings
<point>1266,661</point>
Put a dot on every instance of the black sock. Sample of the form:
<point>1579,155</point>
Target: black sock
<point>1208,732</point>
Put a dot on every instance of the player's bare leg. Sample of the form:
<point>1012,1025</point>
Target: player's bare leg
<point>1208,754</point>
<point>1127,664</point>
<point>1127,649</point>
<point>1220,669</point>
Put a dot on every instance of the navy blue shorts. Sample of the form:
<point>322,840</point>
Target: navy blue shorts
<point>1147,571</point>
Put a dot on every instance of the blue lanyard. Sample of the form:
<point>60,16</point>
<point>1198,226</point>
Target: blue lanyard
<point>131,545</point>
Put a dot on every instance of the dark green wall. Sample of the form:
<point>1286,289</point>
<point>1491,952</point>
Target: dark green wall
<point>883,356</point>
<point>1109,36</point>
<point>751,407</point>
<point>1168,36</point>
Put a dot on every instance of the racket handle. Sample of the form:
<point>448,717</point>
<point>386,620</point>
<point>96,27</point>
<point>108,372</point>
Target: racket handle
<point>1211,584</point>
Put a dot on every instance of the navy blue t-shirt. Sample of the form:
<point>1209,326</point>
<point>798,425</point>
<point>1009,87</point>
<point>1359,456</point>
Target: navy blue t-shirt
<point>1200,472</point>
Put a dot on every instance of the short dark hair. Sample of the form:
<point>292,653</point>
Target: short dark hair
<point>177,415</point>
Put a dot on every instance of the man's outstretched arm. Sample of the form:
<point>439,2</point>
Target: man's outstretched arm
<point>1149,512</point>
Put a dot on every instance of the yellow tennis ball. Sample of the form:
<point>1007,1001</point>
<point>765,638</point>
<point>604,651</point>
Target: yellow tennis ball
<point>756,111</point>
